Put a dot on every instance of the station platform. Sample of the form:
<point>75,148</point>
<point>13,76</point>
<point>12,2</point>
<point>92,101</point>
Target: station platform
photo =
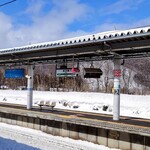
<point>97,128</point>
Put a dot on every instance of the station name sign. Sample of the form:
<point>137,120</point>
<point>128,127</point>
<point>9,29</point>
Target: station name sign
<point>67,72</point>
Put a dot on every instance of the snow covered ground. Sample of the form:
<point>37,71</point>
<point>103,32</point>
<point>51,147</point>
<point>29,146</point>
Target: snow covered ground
<point>16,138</point>
<point>131,105</point>
<point>19,138</point>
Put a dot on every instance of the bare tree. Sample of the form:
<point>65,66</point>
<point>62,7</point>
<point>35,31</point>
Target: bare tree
<point>107,76</point>
<point>126,79</point>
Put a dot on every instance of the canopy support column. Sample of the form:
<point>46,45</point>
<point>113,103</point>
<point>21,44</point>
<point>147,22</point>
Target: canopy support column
<point>29,77</point>
<point>116,98</point>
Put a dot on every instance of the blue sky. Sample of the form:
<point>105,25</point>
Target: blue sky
<point>33,21</point>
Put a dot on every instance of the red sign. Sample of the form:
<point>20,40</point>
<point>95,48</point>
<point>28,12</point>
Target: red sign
<point>74,70</point>
<point>117,73</point>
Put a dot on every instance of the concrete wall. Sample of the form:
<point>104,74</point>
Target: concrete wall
<point>110,138</point>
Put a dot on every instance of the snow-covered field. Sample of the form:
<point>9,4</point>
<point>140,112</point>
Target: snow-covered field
<point>131,105</point>
<point>16,138</point>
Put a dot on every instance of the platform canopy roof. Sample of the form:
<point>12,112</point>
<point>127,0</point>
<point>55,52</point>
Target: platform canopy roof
<point>132,43</point>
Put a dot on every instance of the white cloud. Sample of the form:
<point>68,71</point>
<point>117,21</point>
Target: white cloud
<point>53,24</point>
<point>5,28</point>
<point>109,26</point>
<point>120,6</point>
<point>44,26</point>
<point>35,7</point>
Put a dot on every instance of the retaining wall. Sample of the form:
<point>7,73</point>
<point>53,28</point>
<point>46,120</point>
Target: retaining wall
<point>108,137</point>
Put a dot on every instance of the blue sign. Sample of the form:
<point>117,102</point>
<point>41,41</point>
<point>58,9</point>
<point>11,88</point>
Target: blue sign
<point>14,73</point>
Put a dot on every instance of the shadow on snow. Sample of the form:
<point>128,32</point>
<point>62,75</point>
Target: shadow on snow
<point>7,144</point>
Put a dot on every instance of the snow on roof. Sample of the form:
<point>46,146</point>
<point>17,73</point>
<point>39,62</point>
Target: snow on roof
<point>110,35</point>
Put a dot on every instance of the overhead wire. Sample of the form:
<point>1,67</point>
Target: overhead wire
<point>7,3</point>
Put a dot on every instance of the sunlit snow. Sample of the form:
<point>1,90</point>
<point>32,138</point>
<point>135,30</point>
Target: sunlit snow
<point>22,138</point>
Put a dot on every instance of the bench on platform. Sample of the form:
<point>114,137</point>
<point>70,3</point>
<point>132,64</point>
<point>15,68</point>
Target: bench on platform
<point>43,103</point>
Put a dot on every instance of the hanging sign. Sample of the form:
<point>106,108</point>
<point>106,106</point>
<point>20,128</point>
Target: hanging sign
<point>14,73</point>
<point>68,72</point>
